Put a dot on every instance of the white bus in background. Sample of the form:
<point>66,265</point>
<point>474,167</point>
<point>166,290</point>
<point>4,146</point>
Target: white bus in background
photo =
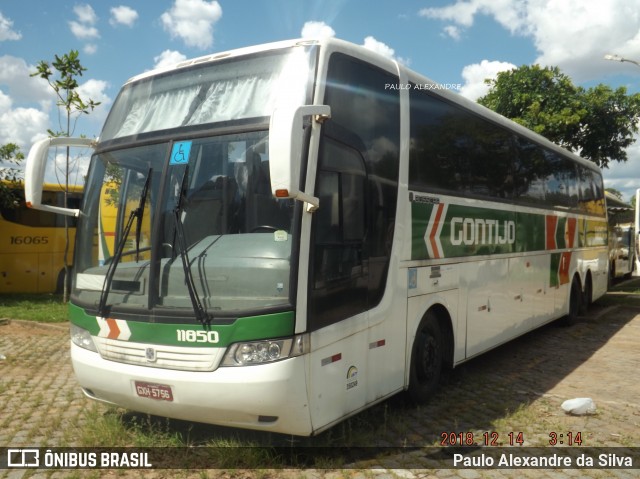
<point>328,228</point>
<point>622,238</point>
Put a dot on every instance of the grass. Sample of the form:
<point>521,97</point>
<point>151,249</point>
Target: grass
<point>218,447</point>
<point>45,308</point>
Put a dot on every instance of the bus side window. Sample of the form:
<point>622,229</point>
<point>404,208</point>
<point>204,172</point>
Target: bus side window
<point>339,285</point>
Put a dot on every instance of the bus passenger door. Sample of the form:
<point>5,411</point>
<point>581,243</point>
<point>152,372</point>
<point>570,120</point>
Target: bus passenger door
<point>352,233</point>
<point>338,285</point>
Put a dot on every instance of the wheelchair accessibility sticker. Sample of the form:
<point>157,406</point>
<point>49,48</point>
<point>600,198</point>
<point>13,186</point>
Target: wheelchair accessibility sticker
<point>180,153</point>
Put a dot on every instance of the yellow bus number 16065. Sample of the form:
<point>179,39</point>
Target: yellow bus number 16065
<point>18,240</point>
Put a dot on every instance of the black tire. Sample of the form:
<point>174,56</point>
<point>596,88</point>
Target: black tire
<point>575,304</point>
<point>427,359</point>
<point>60,282</point>
<point>587,297</point>
<point>612,275</point>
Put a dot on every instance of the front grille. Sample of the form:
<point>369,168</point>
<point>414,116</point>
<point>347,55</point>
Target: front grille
<point>159,356</point>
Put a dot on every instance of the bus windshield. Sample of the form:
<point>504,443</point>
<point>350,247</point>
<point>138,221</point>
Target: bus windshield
<point>207,224</point>
<point>216,195</point>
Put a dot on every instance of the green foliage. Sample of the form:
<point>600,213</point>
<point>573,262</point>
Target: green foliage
<point>614,192</point>
<point>10,177</point>
<point>598,123</point>
<point>65,85</point>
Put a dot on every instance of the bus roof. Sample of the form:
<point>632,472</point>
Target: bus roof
<point>377,58</point>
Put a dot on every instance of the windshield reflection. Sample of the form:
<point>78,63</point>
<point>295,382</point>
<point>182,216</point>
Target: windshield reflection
<point>236,237</point>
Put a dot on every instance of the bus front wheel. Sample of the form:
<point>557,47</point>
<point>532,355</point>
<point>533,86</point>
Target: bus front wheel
<point>427,359</point>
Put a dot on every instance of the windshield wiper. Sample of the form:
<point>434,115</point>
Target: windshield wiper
<point>201,313</point>
<point>115,259</point>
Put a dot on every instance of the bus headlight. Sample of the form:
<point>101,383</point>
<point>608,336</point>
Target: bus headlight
<point>82,338</point>
<point>267,351</point>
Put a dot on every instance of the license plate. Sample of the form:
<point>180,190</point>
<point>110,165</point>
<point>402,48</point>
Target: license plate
<point>159,392</point>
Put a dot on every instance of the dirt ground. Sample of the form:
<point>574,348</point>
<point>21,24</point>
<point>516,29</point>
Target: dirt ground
<point>511,393</point>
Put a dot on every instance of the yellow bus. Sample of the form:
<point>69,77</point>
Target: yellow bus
<point>113,217</point>
<point>32,242</point>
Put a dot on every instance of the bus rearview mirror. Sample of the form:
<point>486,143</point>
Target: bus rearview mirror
<point>285,150</point>
<point>36,167</point>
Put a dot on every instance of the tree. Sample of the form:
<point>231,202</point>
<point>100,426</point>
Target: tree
<point>10,154</point>
<point>614,192</point>
<point>598,123</point>
<point>65,85</point>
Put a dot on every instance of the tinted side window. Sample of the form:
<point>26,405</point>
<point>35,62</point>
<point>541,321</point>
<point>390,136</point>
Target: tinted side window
<point>339,285</point>
<point>457,152</point>
<point>591,191</point>
<point>357,182</point>
<point>530,169</point>
<point>360,103</point>
<point>561,183</point>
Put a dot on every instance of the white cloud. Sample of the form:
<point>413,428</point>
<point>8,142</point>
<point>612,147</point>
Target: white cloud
<point>22,126</point>
<point>83,28</point>
<point>85,14</point>
<point>453,32</point>
<point>571,34</point>
<point>26,104</point>
<point>474,76</point>
<point>510,14</point>
<point>313,29</point>
<point>15,74</point>
<point>192,21</point>
<point>82,31</point>
<point>374,45</point>
<point>6,29</point>
<point>168,58</point>
<point>96,90</point>
<point>370,43</point>
<point>625,177</point>
<point>5,102</point>
<point>123,15</point>
<point>90,48</point>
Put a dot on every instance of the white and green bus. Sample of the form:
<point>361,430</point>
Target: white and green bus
<point>328,228</point>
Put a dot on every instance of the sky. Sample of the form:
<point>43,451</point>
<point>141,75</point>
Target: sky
<point>450,41</point>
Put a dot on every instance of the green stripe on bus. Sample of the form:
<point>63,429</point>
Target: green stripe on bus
<point>445,230</point>
<point>243,329</point>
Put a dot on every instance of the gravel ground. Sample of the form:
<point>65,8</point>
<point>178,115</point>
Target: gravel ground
<point>511,393</point>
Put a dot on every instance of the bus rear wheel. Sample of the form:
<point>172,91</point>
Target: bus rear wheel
<point>427,359</point>
<point>587,296</point>
<point>575,304</point>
